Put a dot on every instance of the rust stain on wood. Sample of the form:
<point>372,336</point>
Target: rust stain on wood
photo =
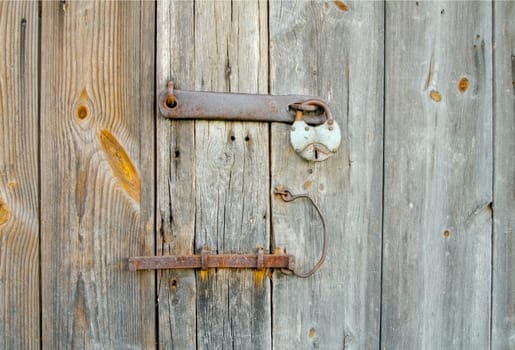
<point>123,168</point>
<point>259,277</point>
<point>463,85</point>
<point>341,5</point>
<point>435,96</point>
<point>5,212</point>
<point>204,274</point>
<point>312,332</point>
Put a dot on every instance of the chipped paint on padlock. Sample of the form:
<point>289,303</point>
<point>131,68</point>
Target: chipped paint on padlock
<point>316,143</point>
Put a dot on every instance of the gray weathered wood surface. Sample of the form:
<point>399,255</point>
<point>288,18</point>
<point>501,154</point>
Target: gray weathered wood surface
<point>19,176</point>
<point>233,307</point>
<point>438,176</point>
<point>97,168</point>
<point>503,298</point>
<point>176,290</point>
<point>213,177</point>
<point>319,48</point>
<point>419,200</point>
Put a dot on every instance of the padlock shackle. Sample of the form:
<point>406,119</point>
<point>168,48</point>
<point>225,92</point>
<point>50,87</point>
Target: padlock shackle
<point>307,105</point>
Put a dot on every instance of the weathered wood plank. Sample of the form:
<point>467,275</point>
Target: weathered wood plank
<point>232,187</point>
<point>334,50</point>
<point>176,177</point>
<point>214,189</point>
<point>503,298</point>
<point>97,146</point>
<point>438,176</point>
<point>19,176</point>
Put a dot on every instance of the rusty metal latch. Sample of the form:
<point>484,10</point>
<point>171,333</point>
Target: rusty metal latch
<point>314,135</point>
<point>206,260</point>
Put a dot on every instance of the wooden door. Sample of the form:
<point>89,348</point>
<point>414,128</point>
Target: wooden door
<point>419,199</point>
<point>214,179</point>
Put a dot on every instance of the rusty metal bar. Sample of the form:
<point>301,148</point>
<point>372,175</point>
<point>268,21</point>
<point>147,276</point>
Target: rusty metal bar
<point>182,104</point>
<point>206,260</point>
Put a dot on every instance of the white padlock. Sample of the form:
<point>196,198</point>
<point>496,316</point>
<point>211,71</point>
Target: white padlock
<point>316,143</point>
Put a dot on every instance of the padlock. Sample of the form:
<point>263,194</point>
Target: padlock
<point>314,143</point>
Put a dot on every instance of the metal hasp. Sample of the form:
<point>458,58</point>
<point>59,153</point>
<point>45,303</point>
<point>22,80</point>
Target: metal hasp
<point>206,260</point>
<point>182,104</point>
<point>314,134</point>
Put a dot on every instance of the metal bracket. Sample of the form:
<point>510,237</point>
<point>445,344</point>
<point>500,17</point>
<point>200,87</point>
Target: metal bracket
<point>190,105</point>
<point>206,260</point>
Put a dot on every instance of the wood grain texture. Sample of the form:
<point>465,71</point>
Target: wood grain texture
<point>449,175</point>
<point>333,50</point>
<point>19,176</point>
<point>438,176</point>
<point>503,298</point>
<point>176,177</point>
<point>97,127</point>
<point>232,186</point>
<point>213,177</point>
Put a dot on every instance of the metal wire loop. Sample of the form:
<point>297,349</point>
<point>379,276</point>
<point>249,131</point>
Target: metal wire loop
<point>288,196</point>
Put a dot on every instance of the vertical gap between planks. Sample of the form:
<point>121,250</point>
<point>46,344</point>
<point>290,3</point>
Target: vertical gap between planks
<point>492,235</point>
<point>383,182</point>
<point>156,208</point>
<point>195,189</point>
<point>38,113</point>
<point>271,238</point>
